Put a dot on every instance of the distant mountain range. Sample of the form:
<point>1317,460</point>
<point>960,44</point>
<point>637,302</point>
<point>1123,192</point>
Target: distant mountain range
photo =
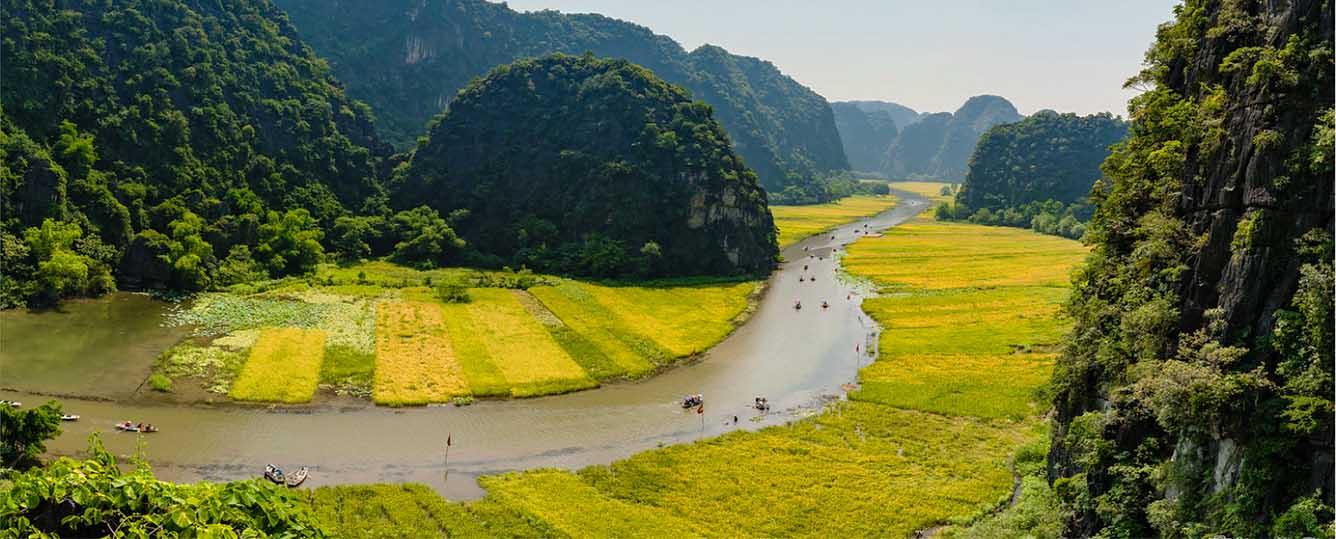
<point>917,145</point>
<point>408,58</point>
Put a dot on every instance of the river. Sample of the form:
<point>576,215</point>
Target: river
<point>798,359</point>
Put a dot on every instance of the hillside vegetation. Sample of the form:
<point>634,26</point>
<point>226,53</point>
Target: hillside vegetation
<point>937,147</point>
<point>1194,396</point>
<point>409,58</point>
<point>1037,173</point>
<point>591,167</point>
<point>160,143</point>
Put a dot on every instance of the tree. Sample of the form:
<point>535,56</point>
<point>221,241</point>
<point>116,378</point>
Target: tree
<point>290,243</point>
<point>23,433</point>
<point>425,239</point>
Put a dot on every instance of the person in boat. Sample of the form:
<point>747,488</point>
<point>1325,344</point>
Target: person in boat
<point>824,305</point>
<point>801,279</point>
<point>804,267</point>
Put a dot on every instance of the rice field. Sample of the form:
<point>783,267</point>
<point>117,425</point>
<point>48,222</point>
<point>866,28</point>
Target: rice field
<point>932,438</point>
<point>415,363</point>
<point>283,366</point>
<point>970,316</point>
<point>390,338</point>
<point>525,353</point>
<point>798,222</point>
<point>930,190</point>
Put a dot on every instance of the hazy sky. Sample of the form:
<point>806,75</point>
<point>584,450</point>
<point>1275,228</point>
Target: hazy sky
<point>1067,55</point>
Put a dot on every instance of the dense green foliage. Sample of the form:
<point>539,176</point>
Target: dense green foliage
<point>23,433</point>
<point>1195,396</point>
<point>938,146</point>
<point>592,167</point>
<point>1046,217</point>
<point>158,136</point>
<point>94,498</point>
<point>1047,156</point>
<point>831,187</point>
<point>408,58</point>
<point>866,134</point>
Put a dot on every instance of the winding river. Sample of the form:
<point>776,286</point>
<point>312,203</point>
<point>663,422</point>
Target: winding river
<point>798,359</point>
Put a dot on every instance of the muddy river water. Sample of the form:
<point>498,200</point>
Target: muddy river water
<point>798,359</point>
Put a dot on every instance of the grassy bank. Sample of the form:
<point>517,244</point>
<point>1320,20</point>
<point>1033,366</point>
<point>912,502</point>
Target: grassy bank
<point>945,420</point>
<point>798,222</point>
<point>388,336</point>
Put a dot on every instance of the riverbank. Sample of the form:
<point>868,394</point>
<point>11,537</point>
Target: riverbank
<point>796,223</point>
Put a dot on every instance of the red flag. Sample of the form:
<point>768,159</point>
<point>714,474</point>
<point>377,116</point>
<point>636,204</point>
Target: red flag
<point>701,409</point>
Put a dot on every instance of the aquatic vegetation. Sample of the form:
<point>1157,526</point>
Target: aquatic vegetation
<point>798,222</point>
<point>284,366</point>
<point>532,362</point>
<point>220,313</point>
<point>160,382</point>
<point>215,367</point>
<point>415,363</point>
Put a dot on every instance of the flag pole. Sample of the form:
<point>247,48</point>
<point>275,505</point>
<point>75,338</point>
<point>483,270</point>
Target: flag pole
<point>448,439</point>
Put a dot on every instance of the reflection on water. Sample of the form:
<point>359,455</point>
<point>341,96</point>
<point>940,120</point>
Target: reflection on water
<point>103,346</point>
<point>798,359</point>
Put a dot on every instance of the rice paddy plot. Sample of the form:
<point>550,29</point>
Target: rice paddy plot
<point>584,352</point>
<point>415,362</point>
<point>930,190</point>
<point>577,308</point>
<point>483,376</point>
<point>412,511</point>
<point>684,320</point>
<point>531,361</point>
<point>572,507</point>
<point>798,222</point>
<point>929,255</point>
<point>967,385</point>
<point>283,366</point>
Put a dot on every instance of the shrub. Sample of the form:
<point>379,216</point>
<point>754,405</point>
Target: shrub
<point>453,293</point>
<point>160,382</point>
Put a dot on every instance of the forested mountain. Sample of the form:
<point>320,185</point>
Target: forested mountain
<point>594,167</point>
<point>938,146</point>
<point>902,115</point>
<point>408,58</point>
<point>1195,396</point>
<point>911,155</point>
<point>1047,156</point>
<point>967,125</point>
<point>163,140</point>
<point>866,135</point>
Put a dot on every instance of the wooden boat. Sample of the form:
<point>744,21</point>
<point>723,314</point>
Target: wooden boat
<point>15,404</point>
<point>132,427</point>
<point>274,474</point>
<point>297,478</point>
<point>69,417</point>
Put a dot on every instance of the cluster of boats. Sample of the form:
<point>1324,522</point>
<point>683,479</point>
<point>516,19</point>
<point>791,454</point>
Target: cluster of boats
<point>127,426</point>
<point>276,475</point>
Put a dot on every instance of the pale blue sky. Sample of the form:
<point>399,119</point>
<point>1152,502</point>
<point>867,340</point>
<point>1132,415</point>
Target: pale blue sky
<point>1067,55</point>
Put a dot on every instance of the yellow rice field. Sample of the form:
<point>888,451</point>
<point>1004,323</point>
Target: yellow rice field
<point>969,314</point>
<point>930,255</point>
<point>415,362</point>
<point>684,320</point>
<point>930,190</point>
<point>283,366</point>
<point>578,309</point>
<point>521,348</point>
<point>798,222</point>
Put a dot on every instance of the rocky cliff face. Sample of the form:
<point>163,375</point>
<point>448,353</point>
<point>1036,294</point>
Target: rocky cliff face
<point>591,167</point>
<point>1195,395</point>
